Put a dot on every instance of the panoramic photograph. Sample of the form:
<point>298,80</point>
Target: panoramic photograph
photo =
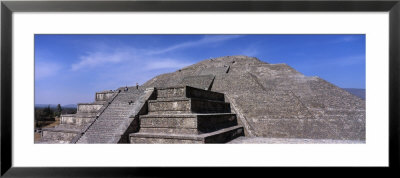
<point>200,88</point>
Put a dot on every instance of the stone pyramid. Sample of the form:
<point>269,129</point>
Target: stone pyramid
<point>275,100</point>
<point>238,95</point>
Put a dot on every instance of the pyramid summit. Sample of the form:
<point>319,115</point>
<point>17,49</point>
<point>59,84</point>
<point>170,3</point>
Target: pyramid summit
<point>215,101</point>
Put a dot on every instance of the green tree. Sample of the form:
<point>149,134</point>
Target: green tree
<point>59,110</point>
<point>47,111</point>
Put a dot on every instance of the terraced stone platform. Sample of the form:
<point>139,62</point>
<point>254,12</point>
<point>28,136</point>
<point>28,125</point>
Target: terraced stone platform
<point>186,123</point>
<point>63,133</point>
<point>72,125</point>
<point>221,136</point>
<point>186,114</point>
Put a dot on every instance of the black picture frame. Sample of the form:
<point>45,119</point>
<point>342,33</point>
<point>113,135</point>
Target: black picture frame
<point>8,7</point>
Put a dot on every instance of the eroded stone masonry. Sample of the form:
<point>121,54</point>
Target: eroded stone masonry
<point>215,101</point>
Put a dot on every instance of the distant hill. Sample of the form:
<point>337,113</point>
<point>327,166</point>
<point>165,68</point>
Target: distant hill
<point>357,92</point>
<point>69,106</point>
<point>55,105</point>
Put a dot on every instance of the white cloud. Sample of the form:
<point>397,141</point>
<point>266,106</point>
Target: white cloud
<point>99,58</point>
<point>109,55</point>
<point>205,40</point>
<point>250,51</point>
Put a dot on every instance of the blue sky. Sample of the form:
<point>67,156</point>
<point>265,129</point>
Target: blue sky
<point>69,69</point>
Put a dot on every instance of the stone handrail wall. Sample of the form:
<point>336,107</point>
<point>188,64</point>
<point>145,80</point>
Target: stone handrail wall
<point>249,129</point>
<point>64,118</point>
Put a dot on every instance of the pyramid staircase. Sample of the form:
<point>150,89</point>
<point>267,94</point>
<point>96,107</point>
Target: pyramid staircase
<point>185,114</point>
<point>116,119</point>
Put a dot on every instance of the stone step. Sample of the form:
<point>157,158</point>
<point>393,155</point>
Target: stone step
<point>124,101</point>
<point>166,130</point>
<point>108,117</point>
<point>112,110</point>
<point>116,104</point>
<point>187,105</point>
<point>220,136</point>
<point>115,115</point>
<point>116,111</point>
<point>81,114</point>
<point>186,123</point>
<point>119,106</point>
<point>115,119</point>
<point>188,92</point>
<point>106,124</point>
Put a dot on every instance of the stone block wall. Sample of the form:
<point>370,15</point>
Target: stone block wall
<point>104,96</point>
<point>75,119</point>
<point>58,137</point>
<point>89,107</point>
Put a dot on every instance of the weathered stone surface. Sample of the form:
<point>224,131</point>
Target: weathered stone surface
<point>171,92</point>
<point>62,134</point>
<point>67,119</point>
<point>164,130</point>
<point>89,107</point>
<point>168,121</point>
<point>202,123</point>
<point>220,136</point>
<point>165,122</point>
<point>264,140</point>
<point>181,105</point>
<point>156,140</point>
<point>200,81</point>
<point>188,105</point>
<point>275,100</point>
<point>201,94</point>
<point>77,119</point>
<point>212,122</point>
<point>224,135</point>
<point>104,95</point>
<point>188,92</point>
<point>215,70</point>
